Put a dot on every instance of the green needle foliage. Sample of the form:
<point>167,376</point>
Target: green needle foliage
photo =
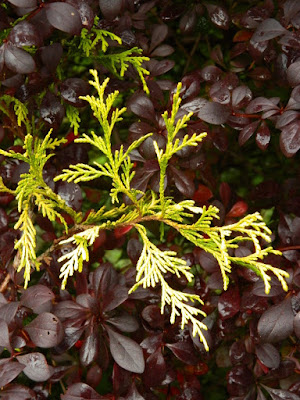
<point>154,263</point>
<point>191,222</point>
<point>117,62</point>
<point>33,192</point>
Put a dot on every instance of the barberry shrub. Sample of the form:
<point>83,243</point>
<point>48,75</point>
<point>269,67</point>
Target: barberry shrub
<point>136,211</point>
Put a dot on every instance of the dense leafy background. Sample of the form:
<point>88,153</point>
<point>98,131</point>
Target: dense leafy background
<point>239,62</point>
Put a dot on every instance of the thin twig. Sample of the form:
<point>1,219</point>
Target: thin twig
<point>296,247</point>
<point>4,283</point>
<point>191,54</point>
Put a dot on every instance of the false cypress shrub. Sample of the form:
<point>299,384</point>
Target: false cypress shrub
<point>148,152</point>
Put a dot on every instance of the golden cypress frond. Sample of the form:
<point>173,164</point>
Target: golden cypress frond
<point>27,243</point>
<point>153,263</point>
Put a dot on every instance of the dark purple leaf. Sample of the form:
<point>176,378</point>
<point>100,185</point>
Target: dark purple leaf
<point>211,73</point>
<point>85,12</point>
<point>261,104</point>
<point>287,117</point>
<point>161,67</point>
<point>121,380</point>
<point>296,20</point>
<point>153,316</point>
<point>190,87</point>
<point>184,351</point>
<point>148,151</point>
<point>134,250</point>
<point>24,34</point>
<point>263,136</point>
<point>163,50</point>
<point>8,311</point>
<point>241,96</point>
<point>126,352</point>
<point>116,296</point>
<point>141,180</point>
<point>45,330</point>
<point>94,375</point>
<point>60,372</point>
<point>171,11</point>
<point>260,74</point>
<point>152,343</point>
<point>296,304</point>
<point>268,29</point>
<point>103,279</point>
<point>218,16</point>
<point>81,391</point>
<point>259,288</point>
<point>276,323</point>
<point>214,113</point>
<point>257,49</point>
<point>72,88</point>
<point>88,301</point>
<point>297,325</point>
<point>89,349</point>
<point>230,80</point>
<point>183,182</point>
<point>268,355</point>
<point>295,388</point>
<point>38,298</point>
<point>124,322</point>
<point>289,229</point>
<point>280,394</point>
<point>64,17</point>
<point>155,369</point>
<point>17,392</point>
<point>260,395</point>
<point>290,8</point>
<point>142,106</point>
<point>217,55</point>
<point>140,128</point>
<point>270,113</point>
<point>71,193</point>
<point>220,93</point>
<point>290,39</point>
<point>293,74</point>
<point>194,105</point>
<point>9,370</point>
<point>188,21</point>
<point>239,379</point>
<point>189,393</point>
<point>4,335</point>
<point>23,3</point>
<point>238,353</point>
<point>51,55</point>
<point>51,110</point>
<point>41,23</point>
<point>110,8</point>
<point>207,261</point>
<point>14,82</point>
<point>3,219</point>
<point>133,394</point>
<point>2,49</point>
<point>229,303</point>
<point>70,310</point>
<point>72,334</point>
<point>18,60</point>
<point>290,139</point>
<point>158,36</point>
<point>36,367</point>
